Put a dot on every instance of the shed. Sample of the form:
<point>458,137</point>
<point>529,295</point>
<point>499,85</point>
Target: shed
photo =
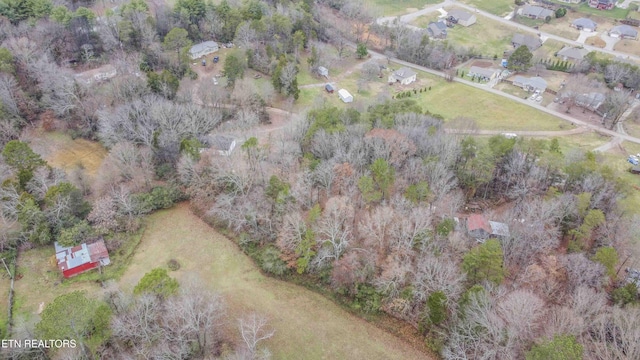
<point>330,89</point>
<point>323,71</point>
<point>203,49</point>
<point>345,96</point>
<point>481,229</point>
<point>403,75</point>
<point>78,259</point>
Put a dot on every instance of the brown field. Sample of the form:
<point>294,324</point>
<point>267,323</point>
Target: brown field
<point>308,326</point>
<point>595,41</point>
<point>628,46</point>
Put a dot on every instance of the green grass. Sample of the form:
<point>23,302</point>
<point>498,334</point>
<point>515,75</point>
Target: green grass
<point>486,36</point>
<point>615,13</point>
<point>398,7</point>
<point>496,7</point>
<point>585,142</point>
<point>307,325</point>
<point>618,162</point>
<point>491,112</point>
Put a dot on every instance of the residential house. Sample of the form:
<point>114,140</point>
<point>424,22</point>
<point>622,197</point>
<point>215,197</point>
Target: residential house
<point>203,49</point>
<point>530,84</point>
<point>572,54</point>
<point>97,75</point>
<point>535,12</point>
<point>78,259</point>
<point>223,144</point>
<point>584,24</point>
<point>462,17</point>
<point>486,74</point>
<point>591,101</point>
<point>403,75</point>
<point>323,71</point>
<point>624,32</point>
<point>481,229</point>
<point>345,96</point>
<point>437,30</point>
<point>602,4</point>
<point>571,1</point>
<point>530,41</point>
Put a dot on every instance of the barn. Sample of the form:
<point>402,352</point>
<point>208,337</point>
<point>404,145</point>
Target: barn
<point>78,259</point>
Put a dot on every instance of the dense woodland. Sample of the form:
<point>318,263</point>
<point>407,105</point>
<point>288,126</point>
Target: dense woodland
<point>368,203</point>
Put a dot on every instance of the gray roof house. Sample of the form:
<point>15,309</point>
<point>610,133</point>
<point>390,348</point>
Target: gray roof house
<point>437,30</point>
<point>481,229</point>
<point>203,49</point>
<point>572,53</point>
<point>483,73</point>
<point>530,84</point>
<point>223,144</point>
<point>462,17</point>
<point>584,24</point>
<point>624,32</point>
<point>591,101</point>
<point>535,12</point>
<point>403,75</point>
<point>532,42</point>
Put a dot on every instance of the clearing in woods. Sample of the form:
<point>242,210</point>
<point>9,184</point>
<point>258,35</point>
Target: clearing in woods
<point>307,325</point>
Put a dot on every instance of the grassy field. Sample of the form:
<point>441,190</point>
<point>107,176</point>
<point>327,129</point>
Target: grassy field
<point>398,7</point>
<point>61,151</point>
<point>586,141</point>
<point>496,7</point>
<point>308,326</point>
<point>5,284</point>
<point>618,161</point>
<point>491,112</point>
<point>628,46</point>
<point>486,36</point>
<point>547,50</point>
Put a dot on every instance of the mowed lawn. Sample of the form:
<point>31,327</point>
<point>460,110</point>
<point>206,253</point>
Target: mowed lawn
<point>488,37</point>
<point>397,7</point>
<point>307,325</point>
<point>496,7</point>
<point>490,111</point>
<point>61,151</point>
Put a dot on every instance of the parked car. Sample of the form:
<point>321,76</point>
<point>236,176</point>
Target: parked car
<point>216,59</point>
<point>633,160</point>
<point>204,62</point>
<point>329,88</point>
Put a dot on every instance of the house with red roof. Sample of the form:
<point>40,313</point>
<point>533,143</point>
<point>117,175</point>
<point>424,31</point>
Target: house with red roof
<point>78,259</point>
<point>481,229</point>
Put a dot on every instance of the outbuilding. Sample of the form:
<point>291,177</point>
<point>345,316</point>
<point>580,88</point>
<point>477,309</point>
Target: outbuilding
<point>329,88</point>
<point>75,260</point>
<point>345,96</point>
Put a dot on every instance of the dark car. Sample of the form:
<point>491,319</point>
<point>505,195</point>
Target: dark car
<point>330,89</point>
<point>216,59</point>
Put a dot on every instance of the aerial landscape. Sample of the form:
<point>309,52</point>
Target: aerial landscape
<point>320,179</point>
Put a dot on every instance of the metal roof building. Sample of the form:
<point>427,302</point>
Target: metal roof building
<point>78,259</point>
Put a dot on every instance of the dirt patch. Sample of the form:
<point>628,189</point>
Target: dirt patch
<point>596,41</point>
<point>628,46</point>
<point>482,64</point>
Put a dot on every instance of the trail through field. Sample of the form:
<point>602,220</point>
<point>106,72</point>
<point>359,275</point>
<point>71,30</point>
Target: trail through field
<point>308,326</point>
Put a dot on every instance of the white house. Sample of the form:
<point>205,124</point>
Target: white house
<point>403,75</point>
<point>345,96</point>
<point>585,24</point>
<point>485,74</point>
<point>97,75</point>
<point>203,49</point>
<point>530,84</point>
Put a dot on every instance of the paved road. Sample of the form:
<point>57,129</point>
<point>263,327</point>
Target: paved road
<point>578,130</point>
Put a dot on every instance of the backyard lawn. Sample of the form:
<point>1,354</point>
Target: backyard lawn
<point>496,7</point>
<point>486,36</point>
<point>615,13</point>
